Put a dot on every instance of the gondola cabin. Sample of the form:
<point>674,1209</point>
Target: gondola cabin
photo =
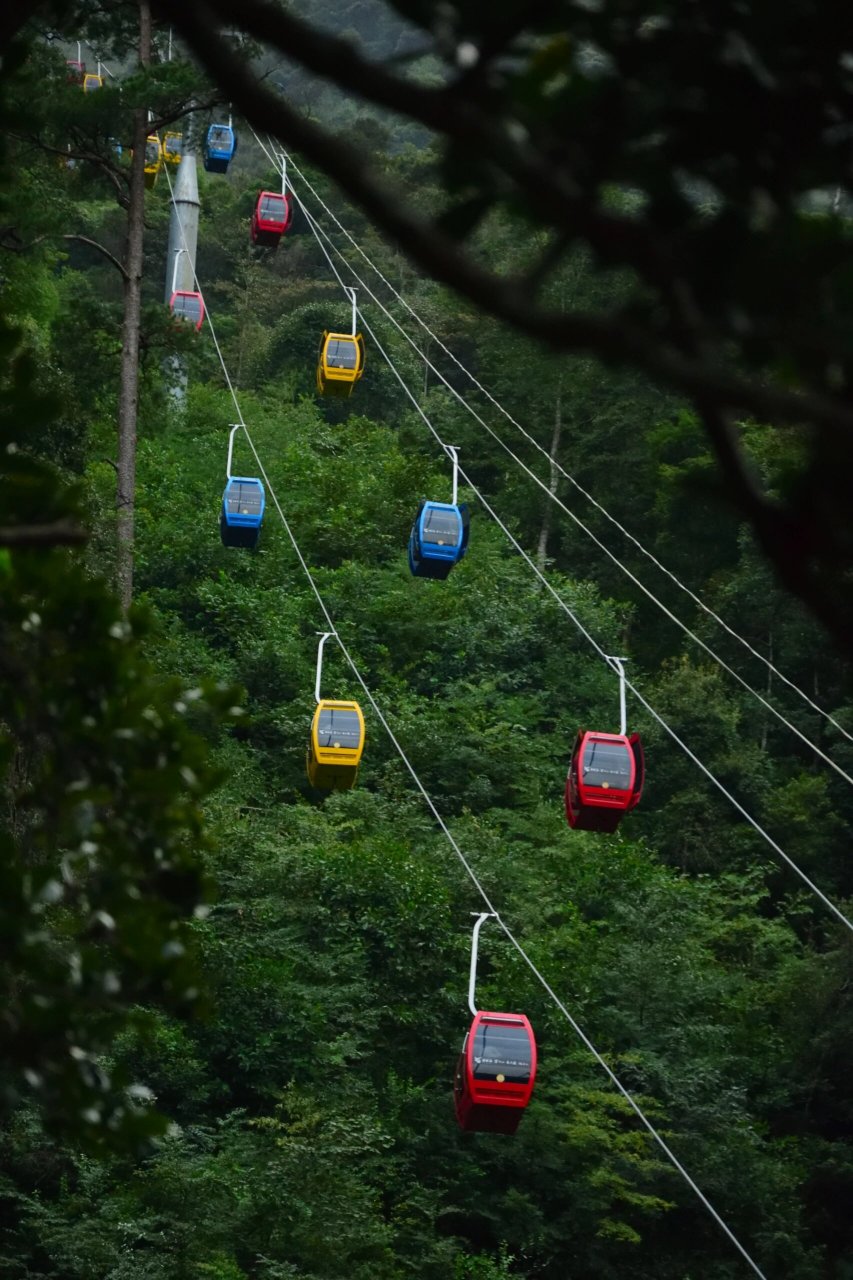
<point>153,159</point>
<point>605,780</point>
<point>340,363</point>
<point>189,306</point>
<point>495,1073</point>
<point>220,143</point>
<point>270,219</point>
<point>336,745</point>
<point>74,71</point>
<point>173,148</point>
<point>242,513</point>
<point>439,538</point>
<point>92,82</point>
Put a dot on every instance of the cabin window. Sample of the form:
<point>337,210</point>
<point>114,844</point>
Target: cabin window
<point>606,764</point>
<point>341,353</point>
<point>243,498</point>
<point>188,307</point>
<point>273,209</point>
<point>339,728</point>
<point>502,1050</point>
<point>441,527</point>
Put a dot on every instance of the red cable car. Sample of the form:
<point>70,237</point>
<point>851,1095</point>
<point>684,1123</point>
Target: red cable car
<point>495,1073</point>
<point>271,218</point>
<point>75,70</point>
<point>187,305</point>
<point>605,779</point>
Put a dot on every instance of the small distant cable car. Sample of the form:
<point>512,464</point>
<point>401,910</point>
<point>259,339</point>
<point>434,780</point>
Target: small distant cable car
<point>76,70</point>
<point>187,305</point>
<point>220,144</point>
<point>605,780</point>
<point>153,159</point>
<point>270,219</point>
<point>173,148</point>
<point>243,505</point>
<point>439,536</point>
<point>340,363</point>
<point>495,1073</point>
<point>91,82</point>
<point>606,773</point>
<point>340,360</point>
<point>496,1069</point>
<point>336,744</point>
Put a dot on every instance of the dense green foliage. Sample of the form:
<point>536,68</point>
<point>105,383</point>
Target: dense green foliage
<point>306,1125</point>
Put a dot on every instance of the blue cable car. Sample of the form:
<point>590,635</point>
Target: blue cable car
<point>439,537</point>
<point>220,145</point>
<point>242,515</point>
<point>243,505</point>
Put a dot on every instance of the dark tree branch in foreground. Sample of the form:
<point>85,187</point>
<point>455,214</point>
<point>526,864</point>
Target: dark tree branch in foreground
<point>743,307</point>
<point>93,244</point>
<point>62,533</point>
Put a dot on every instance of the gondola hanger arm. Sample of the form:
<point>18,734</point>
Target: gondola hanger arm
<point>324,635</point>
<point>618,665</point>
<point>453,453</point>
<point>475,944</point>
<point>178,253</point>
<point>351,292</point>
<point>235,427</point>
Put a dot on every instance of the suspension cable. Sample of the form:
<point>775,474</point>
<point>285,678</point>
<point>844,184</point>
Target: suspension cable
<point>552,461</point>
<point>721,787</point>
<point>472,875</point>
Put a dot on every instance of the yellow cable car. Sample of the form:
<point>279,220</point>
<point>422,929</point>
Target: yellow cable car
<point>173,147</point>
<point>335,746</point>
<point>91,82</point>
<point>340,363</point>
<point>153,159</point>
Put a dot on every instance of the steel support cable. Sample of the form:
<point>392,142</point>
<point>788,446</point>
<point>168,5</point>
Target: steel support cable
<point>721,787</point>
<point>471,873</point>
<point>580,524</point>
<point>697,600</point>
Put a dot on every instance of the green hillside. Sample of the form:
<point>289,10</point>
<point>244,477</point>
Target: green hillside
<point>232,1003</point>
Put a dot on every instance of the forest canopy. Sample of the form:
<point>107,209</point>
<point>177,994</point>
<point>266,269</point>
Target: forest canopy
<point>605,258</point>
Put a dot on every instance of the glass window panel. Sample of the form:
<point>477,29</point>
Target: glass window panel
<point>243,498</point>
<point>441,527</point>
<point>188,307</point>
<point>341,353</point>
<point>273,209</point>
<point>502,1050</point>
<point>607,764</point>
<point>339,728</point>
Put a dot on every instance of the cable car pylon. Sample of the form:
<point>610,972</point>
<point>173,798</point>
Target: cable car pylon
<point>181,288</point>
<point>496,1069</point>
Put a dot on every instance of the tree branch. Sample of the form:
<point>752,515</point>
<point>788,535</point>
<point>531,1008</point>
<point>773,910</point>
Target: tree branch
<point>94,244</point>
<point>58,534</point>
<point>612,339</point>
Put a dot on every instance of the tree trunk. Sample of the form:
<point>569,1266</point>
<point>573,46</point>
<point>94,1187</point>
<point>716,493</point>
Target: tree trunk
<point>129,378</point>
<point>547,517</point>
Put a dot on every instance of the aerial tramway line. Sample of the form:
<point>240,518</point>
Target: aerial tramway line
<point>496,1070</point>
